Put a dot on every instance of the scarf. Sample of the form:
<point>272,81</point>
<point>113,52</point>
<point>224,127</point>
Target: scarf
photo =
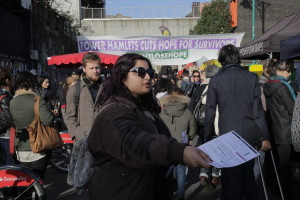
<point>89,83</point>
<point>285,81</point>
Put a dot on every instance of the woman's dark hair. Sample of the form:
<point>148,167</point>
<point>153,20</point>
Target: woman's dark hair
<point>268,65</point>
<point>177,91</point>
<point>4,75</point>
<point>229,54</point>
<point>282,65</point>
<point>41,79</point>
<point>115,86</point>
<point>195,71</point>
<point>25,80</point>
<point>174,79</point>
<point>163,85</point>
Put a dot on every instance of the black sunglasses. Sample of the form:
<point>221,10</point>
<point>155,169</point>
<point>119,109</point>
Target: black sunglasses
<point>195,76</point>
<point>142,71</point>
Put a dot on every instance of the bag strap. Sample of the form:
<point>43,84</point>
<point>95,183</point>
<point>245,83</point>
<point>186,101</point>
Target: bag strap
<point>1,97</point>
<point>36,106</point>
<point>204,91</point>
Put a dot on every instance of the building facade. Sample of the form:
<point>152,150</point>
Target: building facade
<point>267,14</point>
<point>30,32</point>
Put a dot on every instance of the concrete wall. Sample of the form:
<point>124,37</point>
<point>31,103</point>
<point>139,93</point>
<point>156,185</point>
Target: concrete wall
<point>132,27</point>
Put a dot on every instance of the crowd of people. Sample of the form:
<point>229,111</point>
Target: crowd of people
<point>143,129</point>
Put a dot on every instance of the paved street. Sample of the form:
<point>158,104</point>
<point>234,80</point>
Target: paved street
<point>57,188</point>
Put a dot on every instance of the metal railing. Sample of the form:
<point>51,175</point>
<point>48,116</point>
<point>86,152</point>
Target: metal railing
<point>140,12</point>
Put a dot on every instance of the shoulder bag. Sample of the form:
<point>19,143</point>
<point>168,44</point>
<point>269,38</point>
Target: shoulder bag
<point>42,138</point>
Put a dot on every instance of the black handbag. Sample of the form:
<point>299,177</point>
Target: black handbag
<point>199,111</point>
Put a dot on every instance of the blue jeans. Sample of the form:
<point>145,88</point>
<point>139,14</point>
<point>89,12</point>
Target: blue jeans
<point>180,174</point>
<point>5,157</point>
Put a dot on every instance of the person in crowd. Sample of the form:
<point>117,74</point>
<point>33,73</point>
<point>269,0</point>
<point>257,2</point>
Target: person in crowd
<point>163,87</point>
<point>47,94</point>
<point>61,104</point>
<point>6,120</point>
<point>212,70</point>
<point>280,99</point>
<point>202,75</point>
<point>195,82</point>
<point>185,81</point>
<point>44,83</point>
<point>22,111</point>
<point>131,145</point>
<point>178,80</point>
<point>236,93</point>
<point>208,73</point>
<point>81,98</point>
<point>173,80</point>
<point>267,72</point>
<point>69,81</point>
<point>60,93</point>
<point>182,126</point>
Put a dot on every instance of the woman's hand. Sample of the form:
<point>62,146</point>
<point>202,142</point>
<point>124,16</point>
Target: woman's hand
<point>55,112</point>
<point>194,157</point>
<point>266,146</point>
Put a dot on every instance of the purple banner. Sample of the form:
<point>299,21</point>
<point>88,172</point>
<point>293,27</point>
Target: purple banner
<point>152,45</point>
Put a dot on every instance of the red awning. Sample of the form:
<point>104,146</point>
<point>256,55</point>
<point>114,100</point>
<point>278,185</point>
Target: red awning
<point>75,58</point>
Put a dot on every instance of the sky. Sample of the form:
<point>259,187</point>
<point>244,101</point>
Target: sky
<point>130,7</point>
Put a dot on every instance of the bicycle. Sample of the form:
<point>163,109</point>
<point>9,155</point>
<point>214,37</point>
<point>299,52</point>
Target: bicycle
<point>61,157</point>
<point>18,182</point>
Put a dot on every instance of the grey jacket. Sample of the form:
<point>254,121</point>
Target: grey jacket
<point>177,117</point>
<point>79,125</point>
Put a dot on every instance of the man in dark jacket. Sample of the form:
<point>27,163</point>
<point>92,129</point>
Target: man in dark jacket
<point>6,120</point>
<point>236,92</point>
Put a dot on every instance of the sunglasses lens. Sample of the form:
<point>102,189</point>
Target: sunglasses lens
<point>196,76</point>
<point>141,72</point>
<point>151,73</point>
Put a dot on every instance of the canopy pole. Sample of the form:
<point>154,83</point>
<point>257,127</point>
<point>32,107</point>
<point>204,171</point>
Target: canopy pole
<point>253,23</point>
<point>253,19</point>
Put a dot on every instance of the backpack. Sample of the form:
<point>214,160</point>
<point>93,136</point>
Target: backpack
<point>199,111</point>
<point>81,169</point>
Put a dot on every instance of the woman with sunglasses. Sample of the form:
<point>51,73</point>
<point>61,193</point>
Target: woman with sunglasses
<point>133,148</point>
<point>196,81</point>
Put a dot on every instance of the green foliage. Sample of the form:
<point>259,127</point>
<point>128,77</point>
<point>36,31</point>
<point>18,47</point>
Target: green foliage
<point>215,19</point>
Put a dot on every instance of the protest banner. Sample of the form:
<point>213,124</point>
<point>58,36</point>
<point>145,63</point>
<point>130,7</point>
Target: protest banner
<point>162,50</point>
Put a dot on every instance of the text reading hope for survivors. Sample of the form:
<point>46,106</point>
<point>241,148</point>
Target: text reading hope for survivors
<point>152,45</point>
